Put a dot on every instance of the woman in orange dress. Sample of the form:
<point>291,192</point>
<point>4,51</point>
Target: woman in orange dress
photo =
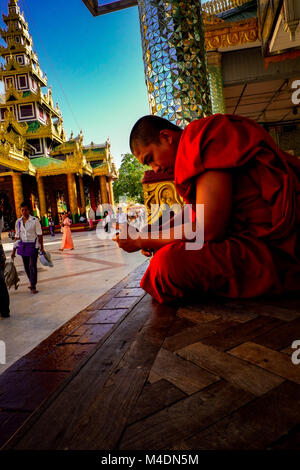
<point>67,242</point>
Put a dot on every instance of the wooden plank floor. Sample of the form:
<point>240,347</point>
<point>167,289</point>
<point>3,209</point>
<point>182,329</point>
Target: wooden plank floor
<point>212,375</point>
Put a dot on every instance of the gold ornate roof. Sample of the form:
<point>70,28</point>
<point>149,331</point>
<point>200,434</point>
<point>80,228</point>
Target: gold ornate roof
<point>13,145</point>
<point>75,163</point>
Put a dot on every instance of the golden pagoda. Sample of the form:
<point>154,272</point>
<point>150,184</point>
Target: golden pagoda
<point>37,162</point>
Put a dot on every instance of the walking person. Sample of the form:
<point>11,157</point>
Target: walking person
<point>29,239</point>
<point>67,241</point>
<point>4,296</point>
<point>51,227</point>
<point>107,222</point>
<point>121,218</point>
<point>91,217</point>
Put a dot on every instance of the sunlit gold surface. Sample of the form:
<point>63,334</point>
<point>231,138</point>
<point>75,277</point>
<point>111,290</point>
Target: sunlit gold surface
<point>42,197</point>
<point>18,191</point>
<point>160,194</point>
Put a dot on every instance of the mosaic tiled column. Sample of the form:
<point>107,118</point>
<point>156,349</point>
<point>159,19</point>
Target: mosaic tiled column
<point>214,62</point>
<point>175,60</point>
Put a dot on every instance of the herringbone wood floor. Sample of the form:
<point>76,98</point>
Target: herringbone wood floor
<point>213,375</point>
<point>222,379</point>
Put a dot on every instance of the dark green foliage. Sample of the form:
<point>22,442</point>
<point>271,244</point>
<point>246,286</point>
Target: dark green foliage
<point>129,184</point>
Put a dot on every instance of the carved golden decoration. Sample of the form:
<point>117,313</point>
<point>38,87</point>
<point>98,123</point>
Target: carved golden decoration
<point>213,7</point>
<point>39,97</point>
<point>12,145</point>
<point>16,16</point>
<point>102,170</point>
<point>97,154</point>
<point>19,49</point>
<point>12,91</point>
<point>75,163</point>
<point>160,194</point>
<point>11,159</point>
<point>234,34</point>
<point>13,31</point>
<point>12,65</point>
<point>102,154</point>
<point>9,118</point>
<point>14,138</point>
<point>49,130</point>
<point>211,20</point>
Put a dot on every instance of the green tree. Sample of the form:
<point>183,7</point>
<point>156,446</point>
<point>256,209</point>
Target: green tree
<point>129,184</point>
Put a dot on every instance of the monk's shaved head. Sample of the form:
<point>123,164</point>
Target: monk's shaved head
<point>147,129</point>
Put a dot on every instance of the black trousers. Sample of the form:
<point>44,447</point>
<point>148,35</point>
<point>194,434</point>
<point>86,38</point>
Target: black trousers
<point>4,296</point>
<point>30,266</point>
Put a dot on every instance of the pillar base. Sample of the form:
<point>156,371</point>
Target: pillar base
<point>44,221</point>
<point>75,218</point>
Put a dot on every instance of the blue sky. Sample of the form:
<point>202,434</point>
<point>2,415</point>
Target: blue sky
<point>94,65</point>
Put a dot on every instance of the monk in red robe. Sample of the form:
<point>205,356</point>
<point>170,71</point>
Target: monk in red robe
<point>251,194</point>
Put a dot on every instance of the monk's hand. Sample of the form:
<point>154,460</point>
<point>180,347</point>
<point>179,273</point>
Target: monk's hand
<point>128,239</point>
<point>147,253</point>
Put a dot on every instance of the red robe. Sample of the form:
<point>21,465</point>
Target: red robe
<point>261,251</point>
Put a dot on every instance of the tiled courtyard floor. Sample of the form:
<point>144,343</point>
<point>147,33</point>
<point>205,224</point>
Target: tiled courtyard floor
<point>77,279</point>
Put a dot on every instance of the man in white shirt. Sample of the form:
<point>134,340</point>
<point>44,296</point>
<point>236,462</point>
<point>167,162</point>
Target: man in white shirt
<point>4,296</point>
<point>29,230</point>
<point>107,222</point>
<point>121,218</point>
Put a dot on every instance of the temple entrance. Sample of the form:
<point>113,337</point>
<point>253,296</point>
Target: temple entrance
<point>6,206</point>
<point>56,197</point>
<point>35,205</point>
<point>61,205</point>
<point>7,202</point>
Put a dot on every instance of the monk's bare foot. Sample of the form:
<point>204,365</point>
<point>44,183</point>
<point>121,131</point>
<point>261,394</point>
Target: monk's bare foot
<point>34,291</point>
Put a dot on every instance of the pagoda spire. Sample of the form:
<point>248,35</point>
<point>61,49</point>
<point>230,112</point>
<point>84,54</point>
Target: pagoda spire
<point>23,82</point>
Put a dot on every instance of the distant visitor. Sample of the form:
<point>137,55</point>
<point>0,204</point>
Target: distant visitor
<point>67,241</point>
